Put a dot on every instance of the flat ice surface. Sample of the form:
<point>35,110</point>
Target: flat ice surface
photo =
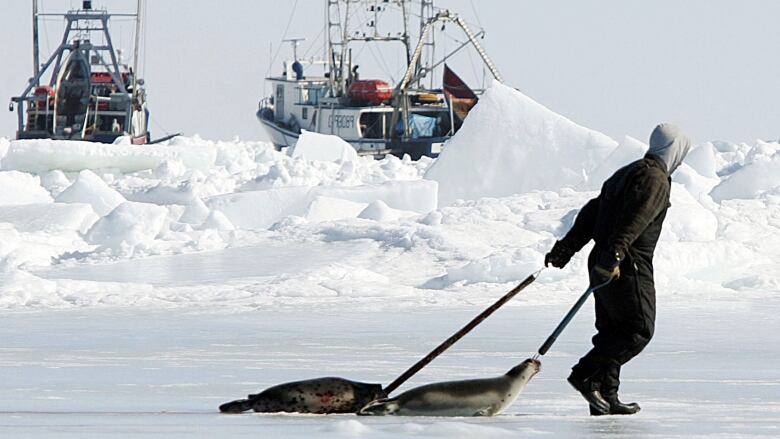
<point>273,259</point>
<point>138,373</point>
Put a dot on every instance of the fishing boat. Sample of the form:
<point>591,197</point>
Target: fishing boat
<point>91,93</point>
<point>414,116</point>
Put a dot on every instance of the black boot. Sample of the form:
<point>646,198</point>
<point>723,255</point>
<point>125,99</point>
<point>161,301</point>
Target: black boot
<point>617,408</point>
<point>588,391</point>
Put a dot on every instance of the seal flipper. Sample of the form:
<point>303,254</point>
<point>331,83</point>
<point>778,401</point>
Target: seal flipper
<point>237,406</point>
<point>379,407</point>
<point>487,411</point>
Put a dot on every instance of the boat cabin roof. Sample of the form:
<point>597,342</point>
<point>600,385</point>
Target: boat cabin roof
<point>308,80</point>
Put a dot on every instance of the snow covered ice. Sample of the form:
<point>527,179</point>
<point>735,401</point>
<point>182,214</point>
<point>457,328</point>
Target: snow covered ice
<point>142,286</point>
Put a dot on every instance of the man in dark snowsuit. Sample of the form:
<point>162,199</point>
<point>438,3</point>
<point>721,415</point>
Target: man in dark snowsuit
<point>625,223</point>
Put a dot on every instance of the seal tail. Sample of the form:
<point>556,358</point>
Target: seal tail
<point>237,406</point>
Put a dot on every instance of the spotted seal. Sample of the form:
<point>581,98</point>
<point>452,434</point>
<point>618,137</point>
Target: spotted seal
<point>479,397</point>
<point>318,395</point>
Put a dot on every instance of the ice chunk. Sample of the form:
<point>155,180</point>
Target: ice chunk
<point>9,239</point>
<point>761,175</point>
<point>416,196</point>
<point>170,170</point>
<point>259,210</point>
<point>41,155</point>
<point>687,219</point>
<point>21,188</point>
<point>165,193</point>
<point>128,226</point>
<point>331,209</point>
<point>761,150</point>
<point>49,217</point>
<point>91,189</point>
<point>379,211</point>
<point>323,147</point>
<point>218,221</point>
<point>55,182</point>
<point>504,266</point>
<point>195,213</point>
<point>4,144</point>
<point>702,159</point>
<point>698,185</point>
<point>629,150</point>
<point>511,144</point>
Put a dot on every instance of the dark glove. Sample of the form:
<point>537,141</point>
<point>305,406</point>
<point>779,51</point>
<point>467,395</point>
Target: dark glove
<point>607,267</point>
<point>559,255</point>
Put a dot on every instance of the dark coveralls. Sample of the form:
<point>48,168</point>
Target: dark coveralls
<point>625,218</point>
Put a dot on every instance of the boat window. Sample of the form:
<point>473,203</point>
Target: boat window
<point>304,113</point>
<point>303,95</point>
<point>372,125</point>
<point>310,95</point>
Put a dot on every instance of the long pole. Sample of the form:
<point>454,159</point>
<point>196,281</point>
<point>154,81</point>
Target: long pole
<point>570,315</point>
<point>36,55</point>
<point>461,333</point>
<point>135,49</point>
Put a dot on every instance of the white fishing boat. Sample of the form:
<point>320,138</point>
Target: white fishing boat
<point>414,116</point>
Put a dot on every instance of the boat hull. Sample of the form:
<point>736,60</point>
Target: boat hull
<point>282,137</point>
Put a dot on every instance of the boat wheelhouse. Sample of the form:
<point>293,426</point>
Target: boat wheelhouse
<point>375,117</point>
<point>91,94</point>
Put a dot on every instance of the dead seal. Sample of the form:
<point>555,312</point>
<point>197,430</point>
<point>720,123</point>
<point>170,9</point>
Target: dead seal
<point>318,395</point>
<point>480,397</point>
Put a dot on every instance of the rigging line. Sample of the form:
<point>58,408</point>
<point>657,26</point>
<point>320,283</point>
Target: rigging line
<point>383,66</point>
<point>159,126</point>
<point>45,30</point>
<point>473,67</point>
<point>471,24</point>
<point>322,31</point>
<point>360,50</point>
<point>311,46</point>
<point>476,15</point>
<point>144,33</point>
<point>284,36</point>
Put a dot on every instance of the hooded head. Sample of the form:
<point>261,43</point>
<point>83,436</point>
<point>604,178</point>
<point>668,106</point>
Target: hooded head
<point>670,144</point>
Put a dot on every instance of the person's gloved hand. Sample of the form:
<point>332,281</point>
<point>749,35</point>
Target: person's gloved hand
<point>559,255</point>
<point>607,267</point>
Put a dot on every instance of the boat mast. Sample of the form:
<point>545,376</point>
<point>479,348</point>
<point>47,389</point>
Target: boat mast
<point>336,45</point>
<point>426,13</point>
<point>135,49</point>
<point>406,32</point>
<point>36,56</point>
<point>344,49</point>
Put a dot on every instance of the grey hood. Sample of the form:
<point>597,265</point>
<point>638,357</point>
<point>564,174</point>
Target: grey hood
<point>670,144</point>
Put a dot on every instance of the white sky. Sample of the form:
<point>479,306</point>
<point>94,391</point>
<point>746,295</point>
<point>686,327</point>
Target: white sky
<point>618,66</point>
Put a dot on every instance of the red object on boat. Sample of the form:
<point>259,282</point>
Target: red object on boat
<point>106,78</point>
<point>42,91</point>
<point>369,91</point>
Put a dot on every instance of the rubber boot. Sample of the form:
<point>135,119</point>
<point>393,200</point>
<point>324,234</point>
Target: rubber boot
<point>616,407</point>
<point>588,391</point>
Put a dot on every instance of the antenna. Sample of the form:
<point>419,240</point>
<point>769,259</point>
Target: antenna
<point>294,42</point>
<point>135,49</point>
<point>36,60</point>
